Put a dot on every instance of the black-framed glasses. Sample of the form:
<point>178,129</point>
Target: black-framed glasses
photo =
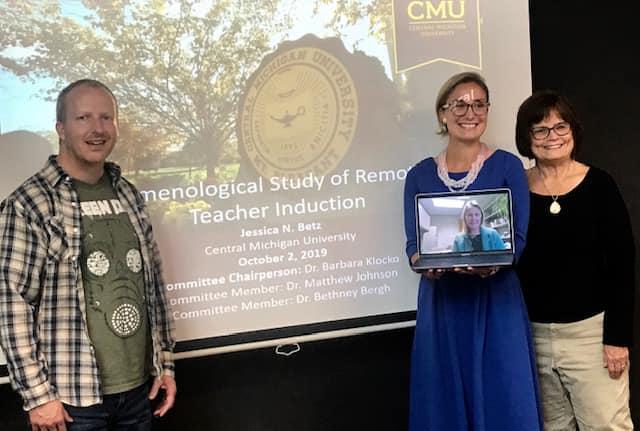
<point>460,107</point>
<point>541,132</point>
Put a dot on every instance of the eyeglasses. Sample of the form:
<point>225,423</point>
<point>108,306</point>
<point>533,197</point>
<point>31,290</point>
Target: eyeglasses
<point>540,133</point>
<point>460,107</point>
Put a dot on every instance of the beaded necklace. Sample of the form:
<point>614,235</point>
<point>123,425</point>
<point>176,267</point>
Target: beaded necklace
<point>464,182</point>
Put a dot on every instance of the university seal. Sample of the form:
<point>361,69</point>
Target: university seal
<point>299,113</point>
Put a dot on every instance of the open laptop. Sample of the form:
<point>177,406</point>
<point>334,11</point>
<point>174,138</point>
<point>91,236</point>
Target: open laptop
<point>446,240</point>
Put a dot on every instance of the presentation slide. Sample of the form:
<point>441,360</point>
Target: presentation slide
<point>270,140</point>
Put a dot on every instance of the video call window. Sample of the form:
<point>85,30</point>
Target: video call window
<point>464,223</point>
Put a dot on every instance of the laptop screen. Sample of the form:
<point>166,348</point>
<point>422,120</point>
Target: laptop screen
<point>464,223</point>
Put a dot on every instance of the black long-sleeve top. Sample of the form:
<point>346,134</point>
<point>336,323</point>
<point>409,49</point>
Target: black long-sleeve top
<point>580,262</point>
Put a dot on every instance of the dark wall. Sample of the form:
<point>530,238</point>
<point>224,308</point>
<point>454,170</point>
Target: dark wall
<point>361,382</point>
<point>589,55</point>
<point>351,383</point>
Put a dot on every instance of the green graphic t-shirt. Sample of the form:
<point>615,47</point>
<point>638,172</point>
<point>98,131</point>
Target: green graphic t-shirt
<point>113,280</point>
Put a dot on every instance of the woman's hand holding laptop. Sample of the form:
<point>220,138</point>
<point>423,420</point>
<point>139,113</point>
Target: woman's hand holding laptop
<point>483,272</point>
<point>434,274</point>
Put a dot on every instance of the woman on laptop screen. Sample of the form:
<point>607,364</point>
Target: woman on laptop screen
<point>473,364</point>
<point>475,236</point>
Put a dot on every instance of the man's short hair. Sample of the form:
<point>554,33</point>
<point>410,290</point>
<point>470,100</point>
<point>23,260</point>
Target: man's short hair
<point>61,102</point>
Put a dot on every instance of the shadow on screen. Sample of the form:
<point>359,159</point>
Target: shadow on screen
<point>23,154</point>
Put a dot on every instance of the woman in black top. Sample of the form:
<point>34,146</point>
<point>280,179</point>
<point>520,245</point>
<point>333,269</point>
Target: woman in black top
<point>577,273</point>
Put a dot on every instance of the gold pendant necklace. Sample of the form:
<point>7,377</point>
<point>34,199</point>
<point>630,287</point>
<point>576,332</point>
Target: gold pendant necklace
<point>554,207</point>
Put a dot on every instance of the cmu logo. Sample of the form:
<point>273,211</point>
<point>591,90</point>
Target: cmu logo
<point>431,31</point>
<point>428,10</point>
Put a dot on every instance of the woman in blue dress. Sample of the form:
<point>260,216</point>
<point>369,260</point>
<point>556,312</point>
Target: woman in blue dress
<point>473,365</point>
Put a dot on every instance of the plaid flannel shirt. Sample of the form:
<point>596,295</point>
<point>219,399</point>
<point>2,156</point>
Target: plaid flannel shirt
<point>43,326</point>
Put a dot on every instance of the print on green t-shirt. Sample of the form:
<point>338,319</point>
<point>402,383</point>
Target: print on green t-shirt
<point>113,280</point>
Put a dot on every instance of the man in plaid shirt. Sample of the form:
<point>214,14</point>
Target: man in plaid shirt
<point>84,321</point>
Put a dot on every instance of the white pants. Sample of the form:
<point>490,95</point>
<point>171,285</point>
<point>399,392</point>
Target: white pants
<point>575,387</point>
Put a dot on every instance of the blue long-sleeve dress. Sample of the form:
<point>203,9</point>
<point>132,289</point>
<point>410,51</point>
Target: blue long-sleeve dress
<point>473,364</point>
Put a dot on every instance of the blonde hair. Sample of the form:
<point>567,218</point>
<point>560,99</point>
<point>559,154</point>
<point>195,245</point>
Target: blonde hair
<point>448,87</point>
<point>467,207</point>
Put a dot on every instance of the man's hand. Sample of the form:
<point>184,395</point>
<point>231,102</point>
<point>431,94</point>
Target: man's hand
<point>50,416</point>
<point>168,384</point>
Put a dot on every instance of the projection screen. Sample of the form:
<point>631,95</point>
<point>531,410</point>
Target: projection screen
<point>269,139</point>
